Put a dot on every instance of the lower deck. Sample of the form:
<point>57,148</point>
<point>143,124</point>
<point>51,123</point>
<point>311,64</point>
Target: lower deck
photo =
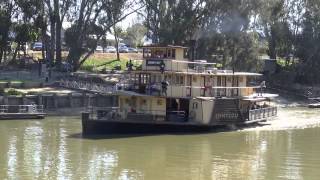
<point>201,110</point>
<point>136,114</point>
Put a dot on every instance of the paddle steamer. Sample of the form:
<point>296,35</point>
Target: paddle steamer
<point>171,93</point>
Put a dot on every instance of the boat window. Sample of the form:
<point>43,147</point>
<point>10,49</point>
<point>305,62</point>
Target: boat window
<point>159,102</point>
<point>229,79</point>
<point>176,80</point>
<point>168,78</point>
<point>173,53</point>
<point>195,105</point>
<point>146,53</point>
<point>240,79</point>
<point>153,78</point>
<point>158,53</point>
<point>186,53</point>
<point>169,53</point>
<point>194,79</point>
<point>179,80</point>
<point>158,78</point>
<point>143,102</point>
<point>219,81</point>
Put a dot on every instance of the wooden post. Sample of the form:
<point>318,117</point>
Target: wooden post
<point>84,100</point>
<point>55,100</point>
<point>24,100</point>
<point>70,100</point>
<point>5,100</point>
<point>40,102</point>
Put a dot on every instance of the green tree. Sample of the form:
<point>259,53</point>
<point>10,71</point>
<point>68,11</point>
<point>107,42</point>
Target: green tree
<point>92,19</point>
<point>308,49</point>
<point>23,33</point>
<point>173,21</point>
<point>134,35</point>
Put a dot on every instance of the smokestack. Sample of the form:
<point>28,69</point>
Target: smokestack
<point>192,50</point>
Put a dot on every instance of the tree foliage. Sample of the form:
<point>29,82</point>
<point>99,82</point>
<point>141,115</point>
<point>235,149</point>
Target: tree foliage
<point>134,35</point>
<point>232,32</point>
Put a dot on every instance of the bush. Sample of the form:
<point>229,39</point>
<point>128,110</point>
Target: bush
<point>1,91</point>
<point>13,92</point>
<point>87,68</point>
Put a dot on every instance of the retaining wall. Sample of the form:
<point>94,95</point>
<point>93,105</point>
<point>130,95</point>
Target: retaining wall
<point>54,101</point>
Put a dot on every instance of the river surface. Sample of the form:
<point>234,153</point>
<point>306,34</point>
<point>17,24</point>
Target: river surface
<point>286,148</point>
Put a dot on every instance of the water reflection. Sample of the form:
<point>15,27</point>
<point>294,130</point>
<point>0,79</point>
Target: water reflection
<point>12,157</point>
<point>45,150</point>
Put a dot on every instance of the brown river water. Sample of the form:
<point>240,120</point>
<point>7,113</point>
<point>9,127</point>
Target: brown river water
<point>53,148</point>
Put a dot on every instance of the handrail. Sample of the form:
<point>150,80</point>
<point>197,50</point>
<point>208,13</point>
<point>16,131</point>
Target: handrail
<point>262,113</point>
<point>22,108</point>
<point>199,87</point>
<point>88,86</point>
<point>94,112</point>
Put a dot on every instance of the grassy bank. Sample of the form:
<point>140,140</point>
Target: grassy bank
<point>100,61</point>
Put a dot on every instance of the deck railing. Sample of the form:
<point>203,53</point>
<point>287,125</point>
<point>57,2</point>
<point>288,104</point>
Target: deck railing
<point>262,113</point>
<point>87,86</point>
<point>114,113</point>
<point>103,112</point>
<point>30,109</point>
<point>189,91</point>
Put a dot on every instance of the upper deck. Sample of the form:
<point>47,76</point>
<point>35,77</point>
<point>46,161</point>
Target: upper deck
<point>166,71</point>
<point>174,59</point>
<point>171,58</point>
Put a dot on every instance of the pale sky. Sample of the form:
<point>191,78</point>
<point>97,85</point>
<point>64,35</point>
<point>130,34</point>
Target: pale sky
<point>131,19</point>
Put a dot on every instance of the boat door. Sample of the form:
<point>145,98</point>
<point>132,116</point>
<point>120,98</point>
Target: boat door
<point>144,79</point>
<point>189,86</point>
<point>221,82</point>
<point>235,83</point>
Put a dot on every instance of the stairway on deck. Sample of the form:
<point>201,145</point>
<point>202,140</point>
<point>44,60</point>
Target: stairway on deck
<point>226,111</point>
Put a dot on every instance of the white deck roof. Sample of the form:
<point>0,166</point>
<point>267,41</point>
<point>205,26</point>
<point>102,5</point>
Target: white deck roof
<point>202,73</point>
<point>260,97</point>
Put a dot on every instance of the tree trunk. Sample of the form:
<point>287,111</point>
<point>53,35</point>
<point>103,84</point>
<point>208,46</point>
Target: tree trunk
<point>44,44</point>
<point>52,40</point>
<point>117,42</point>
<point>1,54</point>
<point>14,57</point>
<point>74,57</point>
<point>58,43</point>
<point>272,45</point>
<point>25,50</point>
<point>5,55</point>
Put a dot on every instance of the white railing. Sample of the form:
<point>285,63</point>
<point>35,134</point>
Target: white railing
<point>29,109</point>
<point>103,112</point>
<point>263,113</point>
<point>87,86</point>
<point>191,91</point>
<point>4,108</point>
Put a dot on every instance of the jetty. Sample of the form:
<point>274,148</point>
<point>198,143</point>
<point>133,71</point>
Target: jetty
<point>10,112</point>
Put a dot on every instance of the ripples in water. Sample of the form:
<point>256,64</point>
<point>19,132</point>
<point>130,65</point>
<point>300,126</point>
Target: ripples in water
<point>285,149</point>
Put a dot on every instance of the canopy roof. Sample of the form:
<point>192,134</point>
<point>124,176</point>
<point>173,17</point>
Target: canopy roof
<point>163,46</point>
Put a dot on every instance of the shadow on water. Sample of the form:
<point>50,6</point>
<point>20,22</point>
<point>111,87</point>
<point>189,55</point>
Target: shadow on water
<point>131,135</point>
